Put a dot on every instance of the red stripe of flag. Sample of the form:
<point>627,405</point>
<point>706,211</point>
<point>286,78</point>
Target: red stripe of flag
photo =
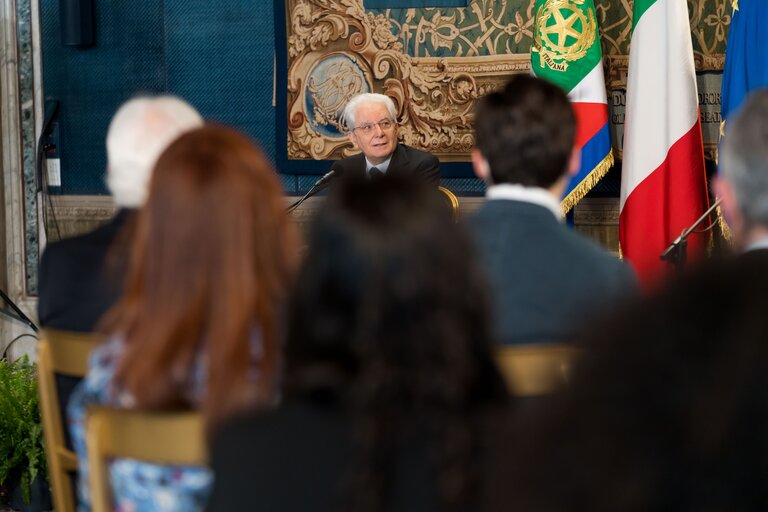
<point>590,117</point>
<point>662,205</point>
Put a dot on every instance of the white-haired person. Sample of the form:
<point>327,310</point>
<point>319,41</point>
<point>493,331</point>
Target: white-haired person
<point>371,122</point>
<point>742,182</point>
<point>79,277</point>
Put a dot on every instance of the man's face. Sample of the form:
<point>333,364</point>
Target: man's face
<point>376,143</point>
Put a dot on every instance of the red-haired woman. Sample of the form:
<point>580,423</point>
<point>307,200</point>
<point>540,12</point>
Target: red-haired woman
<point>198,325</point>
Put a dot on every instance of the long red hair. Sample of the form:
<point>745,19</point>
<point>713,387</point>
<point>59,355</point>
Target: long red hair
<point>212,256</point>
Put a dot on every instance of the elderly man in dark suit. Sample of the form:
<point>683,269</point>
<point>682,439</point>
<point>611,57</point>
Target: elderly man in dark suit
<point>545,278</point>
<point>371,121</point>
<point>81,277</point>
<point>76,284</point>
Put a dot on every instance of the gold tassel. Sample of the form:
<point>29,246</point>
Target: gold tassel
<point>587,184</point>
<point>724,228</point>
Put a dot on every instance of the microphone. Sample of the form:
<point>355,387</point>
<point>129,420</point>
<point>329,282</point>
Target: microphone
<point>327,177</point>
<point>319,185</point>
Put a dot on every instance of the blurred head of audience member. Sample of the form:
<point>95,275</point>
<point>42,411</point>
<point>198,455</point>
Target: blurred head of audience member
<point>139,132</point>
<point>390,322</point>
<point>742,183</point>
<point>667,408</point>
<point>524,135</point>
<point>211,259</point>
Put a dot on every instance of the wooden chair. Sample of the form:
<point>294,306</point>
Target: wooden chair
<point>534,370</point>
<point>156,437</point>
<point>65,353</point>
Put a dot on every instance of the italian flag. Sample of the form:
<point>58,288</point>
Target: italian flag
<point>566,51</point>
<point>663,184</point>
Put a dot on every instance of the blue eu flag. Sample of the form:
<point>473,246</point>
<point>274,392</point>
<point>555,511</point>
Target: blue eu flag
<point>746,54</point>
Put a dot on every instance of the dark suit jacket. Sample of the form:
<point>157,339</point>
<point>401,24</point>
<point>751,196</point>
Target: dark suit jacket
<point>405,159</point>
<point>76,286</point>
<point>545,278</point>
<point>294,459</point>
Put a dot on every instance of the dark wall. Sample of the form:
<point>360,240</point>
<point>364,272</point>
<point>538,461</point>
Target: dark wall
<point>218,55</point>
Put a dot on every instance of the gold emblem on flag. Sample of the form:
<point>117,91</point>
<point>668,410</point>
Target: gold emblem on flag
<point>565,31</point>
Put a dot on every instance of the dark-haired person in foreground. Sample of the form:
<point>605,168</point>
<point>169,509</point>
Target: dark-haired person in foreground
<point>546,278</point>
<point>389,373</point>
<point>667,410</point>
<point>371,121</point>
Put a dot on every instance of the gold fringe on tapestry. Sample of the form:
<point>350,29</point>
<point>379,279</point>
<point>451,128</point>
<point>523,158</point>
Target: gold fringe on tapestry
<point>587,184</point>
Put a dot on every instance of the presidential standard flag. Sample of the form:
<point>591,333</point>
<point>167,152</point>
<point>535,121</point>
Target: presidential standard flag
<point>663,184</point>
<point>566,51</point>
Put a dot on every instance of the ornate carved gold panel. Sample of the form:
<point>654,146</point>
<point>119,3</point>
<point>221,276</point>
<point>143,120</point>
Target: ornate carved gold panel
<point>435,63</point>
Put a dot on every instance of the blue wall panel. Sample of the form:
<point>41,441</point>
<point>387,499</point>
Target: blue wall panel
<point>220,57</point>
<point>216,55</point>
<point>90,84</point>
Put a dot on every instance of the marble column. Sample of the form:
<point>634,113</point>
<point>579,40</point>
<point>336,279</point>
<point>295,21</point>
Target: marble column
<point>17,151</point>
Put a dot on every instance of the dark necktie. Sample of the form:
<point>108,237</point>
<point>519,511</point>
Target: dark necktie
<point>375,174</point>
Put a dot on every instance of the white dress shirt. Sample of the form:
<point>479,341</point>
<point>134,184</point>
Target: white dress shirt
<point>534,195</point>
<point>383,166</point>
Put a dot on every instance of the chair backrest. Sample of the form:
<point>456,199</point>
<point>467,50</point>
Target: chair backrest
<point>451,200</point>
<point>65,353</point>
<point>536,369</point>
<point>157,437</point>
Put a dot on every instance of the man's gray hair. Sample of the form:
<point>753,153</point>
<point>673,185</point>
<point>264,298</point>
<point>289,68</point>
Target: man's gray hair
<point>364,98</point>
<point>140,131</point>
<point>743,159</point>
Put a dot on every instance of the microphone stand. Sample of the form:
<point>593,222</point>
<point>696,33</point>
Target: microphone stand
<point>677,252</point>
<point>319,185</point>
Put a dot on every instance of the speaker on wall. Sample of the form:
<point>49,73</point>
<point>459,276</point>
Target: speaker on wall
<point>78,25</point>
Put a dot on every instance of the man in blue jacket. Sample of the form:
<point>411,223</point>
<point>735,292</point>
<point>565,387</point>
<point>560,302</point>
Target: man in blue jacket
<point>545,278</point>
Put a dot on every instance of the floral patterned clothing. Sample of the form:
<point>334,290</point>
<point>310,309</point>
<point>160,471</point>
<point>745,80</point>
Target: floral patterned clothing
<point>136,485</point>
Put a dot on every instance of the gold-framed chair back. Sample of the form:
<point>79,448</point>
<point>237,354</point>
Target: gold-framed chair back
<point>65,353</point>
<point>536,369</point>
<point>156,437</point>
<point>451,200</point>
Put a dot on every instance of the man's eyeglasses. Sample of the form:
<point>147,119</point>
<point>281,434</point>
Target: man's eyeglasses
<point>368,128</point>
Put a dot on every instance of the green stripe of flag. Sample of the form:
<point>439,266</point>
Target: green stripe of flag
<point>640,7</point>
